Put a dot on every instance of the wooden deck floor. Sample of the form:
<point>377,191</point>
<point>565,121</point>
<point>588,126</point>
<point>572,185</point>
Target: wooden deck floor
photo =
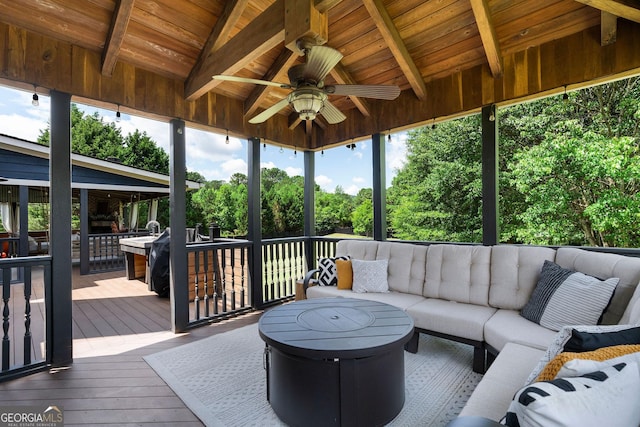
<point>116,323</point>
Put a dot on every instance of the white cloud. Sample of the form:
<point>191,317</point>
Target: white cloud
<point>358,155</point>
<point>267,165</point>
<point>358,180</point>
<point>234,166</point>
<point>352,189</point>
<point>291,171</point>
<point>324,182</point>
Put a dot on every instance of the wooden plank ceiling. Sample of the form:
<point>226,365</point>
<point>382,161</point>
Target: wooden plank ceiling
<point>409,43</point>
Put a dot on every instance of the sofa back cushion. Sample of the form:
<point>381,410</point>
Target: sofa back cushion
<point>407,262</point>
<point>458,273</point>
<point>358,249</point>
<point>605,266</point>
<point>514,274</point>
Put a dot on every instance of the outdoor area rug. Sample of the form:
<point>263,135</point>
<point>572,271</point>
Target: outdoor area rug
<point>223,381</point>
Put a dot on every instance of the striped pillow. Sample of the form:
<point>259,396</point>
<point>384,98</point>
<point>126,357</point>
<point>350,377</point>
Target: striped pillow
<point>603,398</point>
<point>564,297</point>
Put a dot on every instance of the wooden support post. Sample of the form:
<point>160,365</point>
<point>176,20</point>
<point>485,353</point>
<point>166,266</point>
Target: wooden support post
<point>178,246</point>
<point>255,225</point>
<point>61,341</point>
<point>379,188</point>
<point>309,206</point>
<point>490,169</point>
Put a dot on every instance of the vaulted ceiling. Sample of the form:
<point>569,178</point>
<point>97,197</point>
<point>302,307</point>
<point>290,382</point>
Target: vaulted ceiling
<point>449,57</point>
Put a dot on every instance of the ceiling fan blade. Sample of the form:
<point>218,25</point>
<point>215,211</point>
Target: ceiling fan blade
<point>254,81</point>
<point>320,60</point>
<point>389,92</point>
<point>331,113</point>
<point>271,111</point>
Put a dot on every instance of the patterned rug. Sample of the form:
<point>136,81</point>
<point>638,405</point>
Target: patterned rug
<point>222,380</point>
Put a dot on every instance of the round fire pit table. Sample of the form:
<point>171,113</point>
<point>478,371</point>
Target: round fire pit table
<point>335,361</point>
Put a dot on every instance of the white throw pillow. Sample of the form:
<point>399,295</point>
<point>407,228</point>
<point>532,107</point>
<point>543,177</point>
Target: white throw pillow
<point>578,367</point>
<point>604,398</point>
<point>370,276</point>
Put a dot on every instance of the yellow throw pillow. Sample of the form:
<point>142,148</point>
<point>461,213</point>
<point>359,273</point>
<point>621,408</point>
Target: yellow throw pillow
<point>344,273</point>
<point>605,353</point>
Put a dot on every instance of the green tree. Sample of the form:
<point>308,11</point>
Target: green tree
<point>437,194</point>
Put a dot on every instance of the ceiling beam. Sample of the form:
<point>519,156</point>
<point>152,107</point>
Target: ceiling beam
<point>276,72</point>
<point>119,23</point>
<point>627,9</point>
<point>343,77</point>
<point>488,35</point>
<point>261,35</point>
<point>325,5</point>
<point>220,33</point>
<point>394,42</point>
<point>608,28</point>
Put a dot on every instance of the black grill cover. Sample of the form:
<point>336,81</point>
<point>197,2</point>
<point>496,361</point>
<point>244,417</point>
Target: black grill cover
<point>159,264</point>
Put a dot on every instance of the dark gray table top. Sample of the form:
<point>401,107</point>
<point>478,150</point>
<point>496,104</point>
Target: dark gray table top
<point>335,327</point>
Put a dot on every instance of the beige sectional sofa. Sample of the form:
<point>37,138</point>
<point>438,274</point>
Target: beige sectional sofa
<point>473,294</point>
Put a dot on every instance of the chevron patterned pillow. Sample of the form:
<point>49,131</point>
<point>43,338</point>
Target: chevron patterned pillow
<point>328,275</point>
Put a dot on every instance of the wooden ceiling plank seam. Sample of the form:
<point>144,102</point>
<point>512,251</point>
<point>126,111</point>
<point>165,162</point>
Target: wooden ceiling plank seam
<point>342,76</point>
<point>117,30</point>
<point>266,32</point>
<point>190,37</point>
<point>282,63</point>
<point>219,34</point>
<point>392,37</point>
<point>627,9</point>
<point>488,36</point>
<point>608,28</point>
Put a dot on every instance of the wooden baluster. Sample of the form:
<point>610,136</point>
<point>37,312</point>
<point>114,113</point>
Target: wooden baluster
<point>242,277</point>
<point>223,271</point>
<point>205,263</point>
<point>27,316</point>
<point>233,278</point>
<point>6,294</point>
<point>196,282</point>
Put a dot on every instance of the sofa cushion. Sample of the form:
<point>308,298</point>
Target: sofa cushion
<point>502,380</point>
<point>407,262</point>
<point>508,326</point>
<point>565,297</point>
<point>605,265</point>
<point>397,299</point>
<point>450,317</point>
<point>458,273</point>
<point>514,274</point>
<point>357,248</point>
<point>606,397</point>
<point>407,265</point>
<point>370,276</point>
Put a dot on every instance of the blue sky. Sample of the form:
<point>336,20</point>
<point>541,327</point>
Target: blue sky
<point>207,152</point>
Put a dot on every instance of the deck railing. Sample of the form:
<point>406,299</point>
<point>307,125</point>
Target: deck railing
<point>104,252</point>
<point>218,281</point>
<point>25,284</point>
<point>283,262</point>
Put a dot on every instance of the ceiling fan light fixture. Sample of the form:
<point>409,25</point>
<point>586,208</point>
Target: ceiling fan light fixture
<point>307,102</point>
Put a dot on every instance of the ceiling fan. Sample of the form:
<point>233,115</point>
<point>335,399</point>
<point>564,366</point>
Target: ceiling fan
<point>309,93</point>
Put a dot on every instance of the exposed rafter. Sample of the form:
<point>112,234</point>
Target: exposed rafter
<point>325,5</point>
<point>264,33</point>
<point>627,9</point>
<point>220,34</point>
<point>391,36</point>
<point>343,77</point>
<point>276,72</point>
<point>488,35</point>
<point>117,30</point>
<point>608,28</point>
